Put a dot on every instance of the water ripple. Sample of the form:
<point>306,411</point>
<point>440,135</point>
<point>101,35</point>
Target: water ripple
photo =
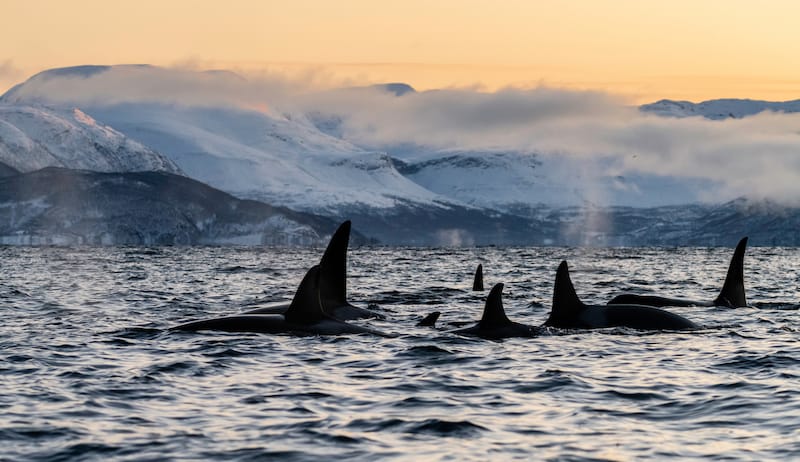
<point>91,373</point>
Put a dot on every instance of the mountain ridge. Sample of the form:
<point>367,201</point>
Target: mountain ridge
<point>403,193</point>
<point>719,109</point>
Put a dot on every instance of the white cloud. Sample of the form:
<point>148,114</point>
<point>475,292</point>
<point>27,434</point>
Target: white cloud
<point>758,156</point>
<point>185,85</point>
<point>9,73</point>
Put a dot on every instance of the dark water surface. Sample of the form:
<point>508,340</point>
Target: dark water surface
<point>88,371</point>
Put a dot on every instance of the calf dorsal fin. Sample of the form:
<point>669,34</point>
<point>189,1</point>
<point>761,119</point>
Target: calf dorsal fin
<point>430,320</point>
<point>477,282</point>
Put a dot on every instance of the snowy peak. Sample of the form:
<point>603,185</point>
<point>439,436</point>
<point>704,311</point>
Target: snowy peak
<point>719,109</point>
<point>27,90</point>
<point>36,137</point>
<point>266,153</point>
<point>280,158</point>
<point>96,85</point>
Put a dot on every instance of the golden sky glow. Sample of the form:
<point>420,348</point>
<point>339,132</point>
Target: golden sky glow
<point>688,49</point>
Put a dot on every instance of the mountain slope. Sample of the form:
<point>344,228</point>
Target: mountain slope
<point>61,206</point>
<point>718,109</point>
<point>404,193</point>
<point>6,170</point>
<point>275,158</point>
<point>36,137</point>
<point>264,154</point>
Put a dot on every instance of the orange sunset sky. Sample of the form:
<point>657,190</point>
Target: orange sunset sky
<point>646,50</point>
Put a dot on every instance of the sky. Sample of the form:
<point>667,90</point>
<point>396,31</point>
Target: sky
<point>645,51</point>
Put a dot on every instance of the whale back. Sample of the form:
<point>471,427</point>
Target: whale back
<point>732,293</point>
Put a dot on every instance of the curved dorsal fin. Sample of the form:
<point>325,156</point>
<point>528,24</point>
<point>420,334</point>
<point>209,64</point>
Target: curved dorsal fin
<point>493,313</point>
<point>732,293</point>
<point>333,267</point>
<point>477,283</point>
<point>306,307</point>
<point>566,304</point>
<point>430,320</point>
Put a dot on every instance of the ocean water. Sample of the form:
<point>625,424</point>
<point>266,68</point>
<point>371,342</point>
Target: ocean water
<point>89,371</point>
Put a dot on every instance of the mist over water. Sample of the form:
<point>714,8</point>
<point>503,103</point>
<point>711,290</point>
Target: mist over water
<point>90,373</point>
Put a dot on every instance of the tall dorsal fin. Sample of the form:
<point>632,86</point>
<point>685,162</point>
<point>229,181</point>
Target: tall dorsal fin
<point>333,267</point>
<point>306,307</point>
<point>493,313</point>
<point>732,293</point>
<point>566,304</point>
<point>477,283</point>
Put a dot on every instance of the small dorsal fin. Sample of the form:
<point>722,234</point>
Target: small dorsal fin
<point>306,307</point>
<point>333,267</point>
<point>477,283</point>
<point>493,313</point>
<point>566,304</point>
<point>430,320</point>
<point>732,293</point>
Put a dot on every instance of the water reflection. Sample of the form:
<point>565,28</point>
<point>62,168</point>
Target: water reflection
<point>88,371</point>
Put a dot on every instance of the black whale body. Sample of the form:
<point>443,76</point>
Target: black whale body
<point>494,323</point>
<point>732,294</point>
<point>569,312</point>
<point>304,316</point>
<point>332,282</point>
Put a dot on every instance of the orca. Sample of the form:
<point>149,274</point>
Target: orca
<point>304,316</point>
<point>429,320</point>
<point>494,324</point>
<point>332,282</point>
<point>731,295</point>
<point>568,312</point>
<point>477,282</point>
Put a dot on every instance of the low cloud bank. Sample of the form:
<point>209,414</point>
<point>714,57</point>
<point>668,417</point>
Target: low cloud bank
<point>757,157</point>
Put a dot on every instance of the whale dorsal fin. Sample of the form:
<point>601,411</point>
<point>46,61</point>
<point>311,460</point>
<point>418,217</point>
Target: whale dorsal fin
<point>430,320</point>
<point>732,293</point>
<point>493,313</point>
<point>306,307</point>
<point>566,304</point>
<point>477,283</point>
<point>333,267</point>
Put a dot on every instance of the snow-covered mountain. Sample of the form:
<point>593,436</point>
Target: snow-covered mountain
<point>34,137</point>
<point>279,158</point>
<point>513,182</point>
<point>69,207</point>
<point>304,160</point>
<point>718,109</point>
<point>400,192</point>
<point>6,170</point>
<point>273,156</point>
